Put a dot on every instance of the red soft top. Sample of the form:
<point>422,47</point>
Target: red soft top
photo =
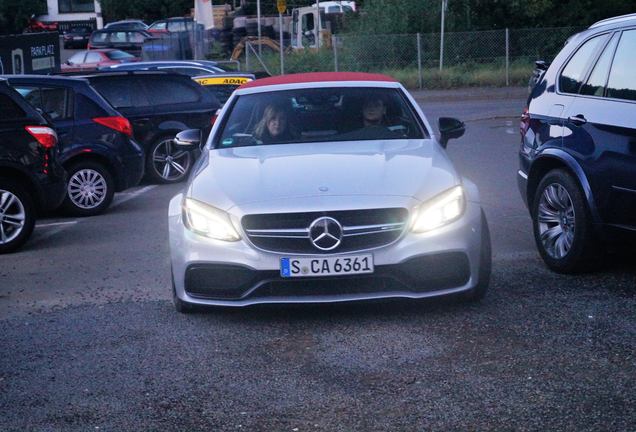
<point>313,77</point>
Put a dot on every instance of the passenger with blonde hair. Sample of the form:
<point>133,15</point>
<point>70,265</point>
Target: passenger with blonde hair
<point>274,126</point>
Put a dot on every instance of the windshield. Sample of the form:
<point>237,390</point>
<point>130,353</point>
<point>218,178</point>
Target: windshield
<point>118,55</point>
<point>319,114</point>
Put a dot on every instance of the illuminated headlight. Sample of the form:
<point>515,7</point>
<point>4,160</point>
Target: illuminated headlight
<point>208,221</point>
<point>441,210</point>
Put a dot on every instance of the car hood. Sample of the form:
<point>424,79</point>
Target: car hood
<point>232,177</point>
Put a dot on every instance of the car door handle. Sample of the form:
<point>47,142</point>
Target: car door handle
<point>578,120</point>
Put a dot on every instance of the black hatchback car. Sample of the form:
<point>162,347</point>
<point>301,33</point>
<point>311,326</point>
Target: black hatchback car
<point>95,141</point>
<point>159,105</point>
<point>578,153</point>
<point>31,178</point>
<point>77,38</point>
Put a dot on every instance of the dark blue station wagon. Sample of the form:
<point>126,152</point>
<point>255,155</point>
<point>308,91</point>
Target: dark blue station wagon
<point>578,153</point>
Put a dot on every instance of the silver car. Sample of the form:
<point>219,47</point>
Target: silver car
<point>325,187</point>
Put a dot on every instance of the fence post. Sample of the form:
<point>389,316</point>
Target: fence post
<point>441,39</point>
<point>507,57</point>
<point>281,46</point>
<point>247,55</point>
<point>195,40</point>
<point>419,60</point>
<point>334,45</point>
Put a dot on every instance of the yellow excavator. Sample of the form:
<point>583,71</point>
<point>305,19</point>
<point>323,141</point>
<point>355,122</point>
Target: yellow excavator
<point>303,33</point>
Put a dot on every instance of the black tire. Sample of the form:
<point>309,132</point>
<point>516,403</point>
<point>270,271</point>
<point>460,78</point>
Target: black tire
<point>12,237</point>
<point>582,254</point>
<point>251,29</point>
<point>485,264</point>
<point>239,33</point>
<point>268,31</point>
<point>85,173</point>
<point>228,23</point>
<point>161,147</point>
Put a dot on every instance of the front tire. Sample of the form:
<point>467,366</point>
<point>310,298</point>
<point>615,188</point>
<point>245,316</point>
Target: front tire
<point>562,225</point>
<point>90,189</point>
<point>166,163</point>
<point>17,215</point>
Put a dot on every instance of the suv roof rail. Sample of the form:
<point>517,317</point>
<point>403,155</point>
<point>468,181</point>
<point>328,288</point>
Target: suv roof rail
<point>115,72</point>
<point>614,20</point>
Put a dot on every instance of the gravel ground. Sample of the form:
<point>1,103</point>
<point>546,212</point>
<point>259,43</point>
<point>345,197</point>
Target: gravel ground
<point>537,354</point>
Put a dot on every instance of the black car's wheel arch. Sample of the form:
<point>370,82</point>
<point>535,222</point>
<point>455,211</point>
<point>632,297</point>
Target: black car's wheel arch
<point>26,182</point>
<point>99,159</point>
<point>557,159</point>
<point>165,129</point>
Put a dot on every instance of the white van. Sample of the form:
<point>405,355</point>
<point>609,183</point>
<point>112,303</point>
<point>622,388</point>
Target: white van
<point>337,6</point>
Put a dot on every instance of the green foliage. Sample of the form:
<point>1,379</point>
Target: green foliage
<point>15,14</point>
<point>406,16</point>
<point>391,17</point>
<point>423,16</point>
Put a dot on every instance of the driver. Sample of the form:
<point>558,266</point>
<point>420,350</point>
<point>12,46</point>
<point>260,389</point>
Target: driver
<point>373,112</point>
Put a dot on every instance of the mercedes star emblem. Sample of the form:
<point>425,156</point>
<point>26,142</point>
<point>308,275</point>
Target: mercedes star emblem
<point>325,233</point>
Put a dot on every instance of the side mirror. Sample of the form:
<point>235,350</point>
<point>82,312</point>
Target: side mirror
<point>450,128</point>
<point>188,139</point>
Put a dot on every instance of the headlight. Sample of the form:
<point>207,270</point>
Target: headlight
<point>441,210</point>
<point>208,221</point>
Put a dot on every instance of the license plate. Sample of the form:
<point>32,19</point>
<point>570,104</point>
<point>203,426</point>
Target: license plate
<point>325,266</point>
<point>78,38</point>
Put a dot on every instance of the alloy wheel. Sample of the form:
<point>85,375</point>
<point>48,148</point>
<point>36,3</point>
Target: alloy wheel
<point>87,188</point>
<point>556,220</point>
<point>12,216</point>
<point>170,162</point>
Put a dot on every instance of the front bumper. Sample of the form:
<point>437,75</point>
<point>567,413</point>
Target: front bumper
<point>210,272</point>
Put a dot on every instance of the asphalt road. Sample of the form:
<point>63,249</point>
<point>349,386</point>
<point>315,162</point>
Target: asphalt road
<point>89,339</point>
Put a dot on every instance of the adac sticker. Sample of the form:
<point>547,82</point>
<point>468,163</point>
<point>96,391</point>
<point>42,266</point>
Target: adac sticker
<point>222,80</point>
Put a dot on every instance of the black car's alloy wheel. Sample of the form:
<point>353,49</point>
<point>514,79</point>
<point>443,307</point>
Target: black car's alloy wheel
<point>90,189</point>
<point>562,225</point>
<point>167,163</point>
<point>17,215</point>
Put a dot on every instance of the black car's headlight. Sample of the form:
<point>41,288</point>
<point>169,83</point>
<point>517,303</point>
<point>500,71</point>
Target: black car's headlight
<point>208,221</point>
<point>439,211</point>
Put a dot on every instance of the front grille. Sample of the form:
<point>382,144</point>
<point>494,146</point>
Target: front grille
<point>418,275</point>
<point>361,229</point>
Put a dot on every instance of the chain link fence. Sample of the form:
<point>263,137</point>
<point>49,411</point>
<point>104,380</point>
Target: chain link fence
<point>497,57</point>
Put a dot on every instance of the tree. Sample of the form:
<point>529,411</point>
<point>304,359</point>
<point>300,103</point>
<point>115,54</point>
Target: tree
<point>412,16</point>
<point>15,14</point>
